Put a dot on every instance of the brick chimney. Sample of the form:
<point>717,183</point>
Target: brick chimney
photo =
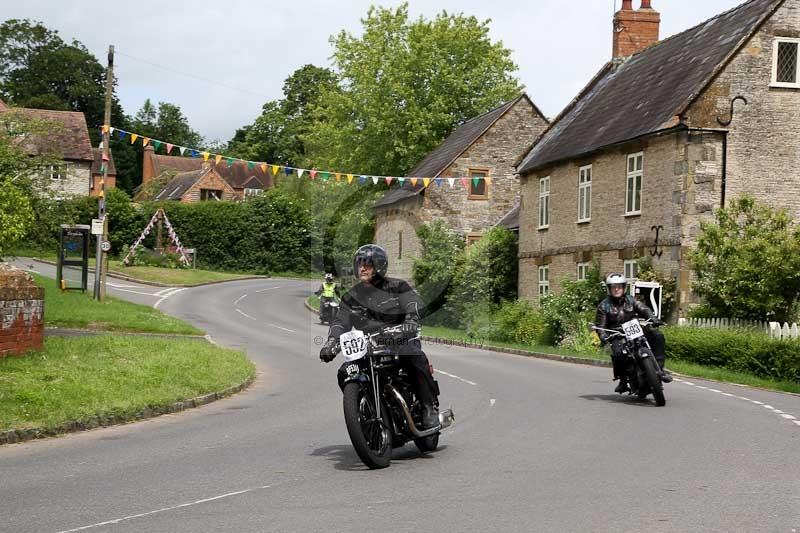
<point>148,166</point>
<point>635,30</point>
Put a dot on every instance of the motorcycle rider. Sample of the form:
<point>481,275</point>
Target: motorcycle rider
<point>376,302</point>
<point>618,308</point>
<point>327,292</point>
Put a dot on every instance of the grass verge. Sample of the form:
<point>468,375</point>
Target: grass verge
<point>79,310</point>
<point>77,379</point>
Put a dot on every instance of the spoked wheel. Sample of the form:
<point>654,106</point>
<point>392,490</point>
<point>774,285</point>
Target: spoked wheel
<point>654,380</point>
<point>371,436</point>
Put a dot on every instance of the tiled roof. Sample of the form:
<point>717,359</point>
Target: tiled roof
<point>510,220</point>
<point>98,161</point>
<point>68,137</point>
<point>646,92</point>
<point>178,185</point>
<point>237,175</point>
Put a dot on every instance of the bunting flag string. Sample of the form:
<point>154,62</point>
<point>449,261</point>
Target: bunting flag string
<point>325,175</point>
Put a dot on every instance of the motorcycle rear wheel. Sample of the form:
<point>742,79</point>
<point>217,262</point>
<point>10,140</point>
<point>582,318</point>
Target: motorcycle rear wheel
<point>372,440</point>
<point>654,380</point>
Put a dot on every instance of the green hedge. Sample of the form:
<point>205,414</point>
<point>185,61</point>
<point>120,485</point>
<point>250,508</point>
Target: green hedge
<point>738,350</point>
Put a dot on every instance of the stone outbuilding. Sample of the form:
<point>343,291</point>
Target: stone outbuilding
<point>488,145</point>
<point>665,133</point>
<point>197,186</point>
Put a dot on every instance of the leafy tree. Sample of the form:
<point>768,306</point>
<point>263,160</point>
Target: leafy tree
<point>568,313</point>
<point>404,85</point>
<point>747,262</point>
<point>490,270</point>
<point>167,123</point>
<point>439,263</point>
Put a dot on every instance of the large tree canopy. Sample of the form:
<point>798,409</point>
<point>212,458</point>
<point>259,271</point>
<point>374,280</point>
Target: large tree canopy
<point>403,86</point>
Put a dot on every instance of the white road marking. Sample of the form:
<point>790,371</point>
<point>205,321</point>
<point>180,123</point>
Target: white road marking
<point>284,329</point>
<point>492,401</point>
<point>270,288</point>
<point>243,313</point>
<point>788,417</point>
<point>240,298</point>
<point>173,292</point>
<point>745,398</point>
<point>134,292</point>
<point>769,407</point>
<point>757,402</point>
<point>456,377</point>
<point>120,286</point>
<point>714,390</point>
<point>796,422</point>
<point>163,291</point>
<point>164,509</point>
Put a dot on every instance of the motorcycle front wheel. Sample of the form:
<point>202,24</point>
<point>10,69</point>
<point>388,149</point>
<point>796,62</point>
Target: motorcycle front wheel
<point>654,380</point>
<point>371,437</point>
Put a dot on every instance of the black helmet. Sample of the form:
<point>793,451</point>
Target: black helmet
<point>373,254</point>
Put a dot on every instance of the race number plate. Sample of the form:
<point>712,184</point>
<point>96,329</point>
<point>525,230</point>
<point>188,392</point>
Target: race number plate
<point>354,345</point>
<point>632,329</point>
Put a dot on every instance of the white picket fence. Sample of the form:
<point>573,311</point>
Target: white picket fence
<point>773,329</point>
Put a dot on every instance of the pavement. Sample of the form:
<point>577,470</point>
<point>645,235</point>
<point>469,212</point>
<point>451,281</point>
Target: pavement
<point>537,445</point>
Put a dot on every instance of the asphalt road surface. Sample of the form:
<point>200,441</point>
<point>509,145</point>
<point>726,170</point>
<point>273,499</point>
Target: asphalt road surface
<point>536,446</point>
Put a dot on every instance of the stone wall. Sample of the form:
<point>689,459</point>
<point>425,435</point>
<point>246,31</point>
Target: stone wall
<point>396,223</point>
<point>76,180</point>
<point>21,312</point>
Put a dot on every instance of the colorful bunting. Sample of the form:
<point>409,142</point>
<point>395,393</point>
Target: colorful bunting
<point>374,180</point>
<point>134,137</point>
<point>300,172</point>
<point>251,165</point>
<point>275,169</point>
<point>438,182</point>
<point>195,153</point>
<point>229,161</point>
<point>464,182</point>
<point>287,171</point>
<point>389,180</point>
<point>182,149</point>
<point>312,174</point>
<point>156,145</point>
<point>169,148</point>
<point>205,156</point>
<point>451,181</point>
<point>263,167</point>
<point>338,176</point>
<point>121,134</point>
<point>362,180</point>
<point>401,181</point>
<point>145,141</point>
<point>426,181</point>
<point>488,180</point>
<point>349,178</point>
<point>217,159</point>
<point>413,182</point>
<point>475,182</point>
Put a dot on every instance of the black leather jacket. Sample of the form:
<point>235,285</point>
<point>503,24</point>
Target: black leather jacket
<point>613,312</point>
<point>369,307</point>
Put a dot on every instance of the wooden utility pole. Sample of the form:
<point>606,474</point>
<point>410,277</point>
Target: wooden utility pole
<point>99,270</point>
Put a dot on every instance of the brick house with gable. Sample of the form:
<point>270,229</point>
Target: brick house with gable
<point>242,180</point>
<point>487,145</point>
<point>197,186</point>
<point>658,139</point>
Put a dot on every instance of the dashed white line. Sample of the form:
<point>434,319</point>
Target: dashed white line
<point>163,510</point>
<point>240,298</point>
<point>243,313</point>
<point>270,288</point>
<point>284,329</point>
<point>456,377</point>
<point>788,417</point>
<point>492,402</point>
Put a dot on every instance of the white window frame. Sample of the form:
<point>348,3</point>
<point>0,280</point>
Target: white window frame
<point>630,181</point>
<point>585,194</point>
<point>56,172</point>
<point>630,267</point>
<point>774,81</point>
<point>544,280</point>
<point>252,192</point>
<point>583,270</point>
<point>544,202</point>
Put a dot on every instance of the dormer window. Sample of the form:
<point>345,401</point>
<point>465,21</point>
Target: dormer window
<point>786,63</point>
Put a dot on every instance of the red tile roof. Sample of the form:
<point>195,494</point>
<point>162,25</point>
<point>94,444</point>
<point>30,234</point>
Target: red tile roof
<point>68,136</point>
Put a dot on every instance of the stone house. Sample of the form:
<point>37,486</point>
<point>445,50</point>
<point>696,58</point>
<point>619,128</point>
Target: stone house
<point>197,186</point>
<point>67,139</point>
<point>661,136</point>
<point>243,180</point>
<point>485,146</point>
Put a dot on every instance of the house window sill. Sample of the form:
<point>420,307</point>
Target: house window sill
<point>784,85</point>
<point>543,228</point>
<point>583,222</point>
<point>631,215</point>
<point>477,197</point>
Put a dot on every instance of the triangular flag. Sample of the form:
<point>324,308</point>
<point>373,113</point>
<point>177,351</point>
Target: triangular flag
<point>205,156</point>
<point>169,148</point>
<point>275,169</point>
<point>145,141</point>
<point>287,170</point>
<point>475,182</point>
<point>401,181</point>
<point>156,145</point>
<point>325,176</point>
<point>229,160</point>
<point>464,182</point>
<point>413,182</point>
<point>218,159</point>
<point>488,180</point>
<point>451,181</point>
<point>111,130</point>
<point>313,174</point>
<point>251,165</point>
<point>362,179</point>
<point>300,172</point>
<point>263,167</point>
<point>120,134</point>
<point>134,137</point>
<point>349,178</point>
<point>195,153</point>
<point>438,182</point>
<point>389,180</point>
<point>374,180</point>
<point>426,181</point>
<point>102,168</point>
<point>338,176</point>
<point>104,128</point>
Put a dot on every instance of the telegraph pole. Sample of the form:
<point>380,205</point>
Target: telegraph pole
<point>99,270</point>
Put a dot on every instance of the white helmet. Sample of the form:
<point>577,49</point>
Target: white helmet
<point>615,278</point>
<point>328,277</point>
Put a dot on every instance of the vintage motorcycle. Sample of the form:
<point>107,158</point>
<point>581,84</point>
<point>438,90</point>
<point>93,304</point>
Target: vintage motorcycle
<point>381,410</point>
<point>641,368</point>
<point>328,310</point>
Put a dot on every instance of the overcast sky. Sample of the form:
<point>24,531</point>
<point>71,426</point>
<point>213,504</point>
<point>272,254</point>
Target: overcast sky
<point>251,47</point>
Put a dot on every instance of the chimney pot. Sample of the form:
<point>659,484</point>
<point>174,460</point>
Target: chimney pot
<point>635,30</point>
<point>646,4</point>
<point>627,5</point>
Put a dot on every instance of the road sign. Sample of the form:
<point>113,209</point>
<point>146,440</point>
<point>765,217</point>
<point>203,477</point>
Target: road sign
<point>97,226</point>
<point>106,246</point>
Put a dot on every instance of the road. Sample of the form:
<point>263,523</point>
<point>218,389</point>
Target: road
<point>537,446</point>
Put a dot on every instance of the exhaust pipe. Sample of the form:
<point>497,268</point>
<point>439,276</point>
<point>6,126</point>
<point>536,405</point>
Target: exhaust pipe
<point>445,417</point>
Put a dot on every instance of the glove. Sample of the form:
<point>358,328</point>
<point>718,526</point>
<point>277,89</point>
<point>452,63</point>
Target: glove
<point>409,329</point>
<point>657,322</point>
<point>328,351</point>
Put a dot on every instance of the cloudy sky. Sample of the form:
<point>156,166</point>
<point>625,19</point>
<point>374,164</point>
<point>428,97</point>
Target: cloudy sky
<point>248,48</point>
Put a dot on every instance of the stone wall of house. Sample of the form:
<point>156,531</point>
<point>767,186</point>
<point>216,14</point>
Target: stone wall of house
<point>211,180</point>
<point>680,187</point>
<point>764,138</point>
<point>496,153</point>
<point>76,179</point>
<point>396,223</point>
<point>21,312</point>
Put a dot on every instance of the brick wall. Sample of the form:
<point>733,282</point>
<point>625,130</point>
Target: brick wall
<point>21,312</point>
<point>211,180</point>
<point>111,182</point>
